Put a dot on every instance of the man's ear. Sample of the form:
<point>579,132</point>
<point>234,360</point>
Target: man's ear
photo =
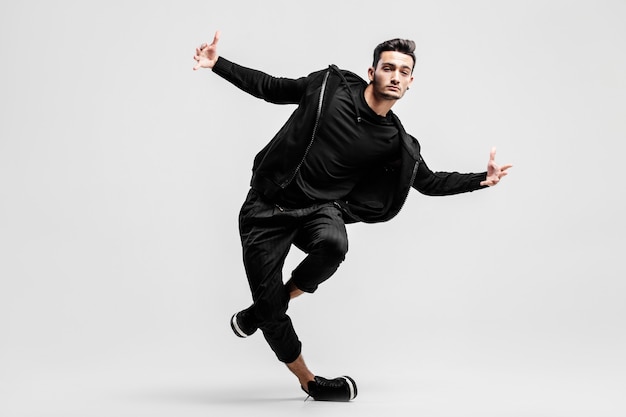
<point>370,73</point>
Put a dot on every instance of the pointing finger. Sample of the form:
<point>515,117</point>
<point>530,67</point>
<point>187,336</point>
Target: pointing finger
<point>216,38</point>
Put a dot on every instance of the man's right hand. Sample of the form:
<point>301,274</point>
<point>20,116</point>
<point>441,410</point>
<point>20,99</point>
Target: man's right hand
<point>206,55</point>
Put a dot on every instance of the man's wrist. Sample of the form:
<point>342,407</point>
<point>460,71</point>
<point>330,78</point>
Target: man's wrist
<point>214,62</point>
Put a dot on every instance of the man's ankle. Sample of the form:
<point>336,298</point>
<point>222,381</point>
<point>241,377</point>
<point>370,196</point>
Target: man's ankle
<point>293,290</point>
<point>304,383</point>
<point>301,371</point>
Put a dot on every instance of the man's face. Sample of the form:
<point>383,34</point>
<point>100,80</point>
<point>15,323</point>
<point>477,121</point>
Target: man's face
<point>392,75</point>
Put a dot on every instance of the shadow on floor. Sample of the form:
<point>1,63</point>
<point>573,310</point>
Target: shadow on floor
<point>244,395</point>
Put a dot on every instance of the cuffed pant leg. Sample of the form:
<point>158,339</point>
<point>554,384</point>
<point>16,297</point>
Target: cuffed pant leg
<point>266,239</point>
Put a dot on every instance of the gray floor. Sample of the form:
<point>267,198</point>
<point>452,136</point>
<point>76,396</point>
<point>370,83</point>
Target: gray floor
<point>185,382</point>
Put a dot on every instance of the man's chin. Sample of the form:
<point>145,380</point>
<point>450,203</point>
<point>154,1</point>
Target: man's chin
<point>387,95</point>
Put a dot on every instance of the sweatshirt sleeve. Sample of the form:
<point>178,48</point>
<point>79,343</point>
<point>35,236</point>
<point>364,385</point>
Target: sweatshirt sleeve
<point>261,85</point>
<point>446,183</point>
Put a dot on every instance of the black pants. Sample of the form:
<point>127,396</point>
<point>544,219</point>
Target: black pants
<point>267,233</point>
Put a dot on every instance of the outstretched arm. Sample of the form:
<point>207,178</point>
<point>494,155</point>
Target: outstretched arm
<point>259,84</point>
<point>449,183</point>
<point>495,172</point>
<point>206,55</point>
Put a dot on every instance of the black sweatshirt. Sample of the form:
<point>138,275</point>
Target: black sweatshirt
<point>381,189</point>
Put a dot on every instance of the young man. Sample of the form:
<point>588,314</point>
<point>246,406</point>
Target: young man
<point>342,157</point>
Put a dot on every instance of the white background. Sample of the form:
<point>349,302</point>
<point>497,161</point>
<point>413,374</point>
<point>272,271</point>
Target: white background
<point>122,172</point>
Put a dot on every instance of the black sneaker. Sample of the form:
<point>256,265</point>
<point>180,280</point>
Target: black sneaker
<point>237,323</point>
<point>338,389</point>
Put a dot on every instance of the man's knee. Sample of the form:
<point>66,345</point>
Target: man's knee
<point>333,247</point>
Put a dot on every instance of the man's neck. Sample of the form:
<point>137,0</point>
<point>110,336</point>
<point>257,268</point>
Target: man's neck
<point>380,106</point>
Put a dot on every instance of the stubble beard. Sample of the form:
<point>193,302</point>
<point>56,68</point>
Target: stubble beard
<point>383,93</point>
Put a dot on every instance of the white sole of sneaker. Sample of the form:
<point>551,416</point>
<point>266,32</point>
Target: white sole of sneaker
<point>235,327</point>
<point>351,386</point>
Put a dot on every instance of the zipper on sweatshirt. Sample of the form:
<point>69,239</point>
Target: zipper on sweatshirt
<point>315,126</point>
<point>413,174</point>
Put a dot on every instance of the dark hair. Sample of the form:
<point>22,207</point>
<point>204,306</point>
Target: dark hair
<point>404,46</point>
